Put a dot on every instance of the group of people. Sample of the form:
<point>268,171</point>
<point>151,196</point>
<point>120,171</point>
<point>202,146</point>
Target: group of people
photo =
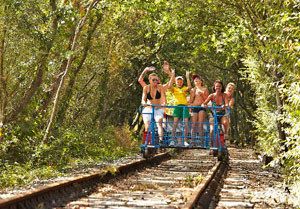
<point>155,94</point>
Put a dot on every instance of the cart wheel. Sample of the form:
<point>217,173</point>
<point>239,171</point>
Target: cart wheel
<point>224,153</point>
<point>215,153</point>
<point>220,155</point>
<point>146,153</point>
<point>162,150</point>
<point>151,151</point>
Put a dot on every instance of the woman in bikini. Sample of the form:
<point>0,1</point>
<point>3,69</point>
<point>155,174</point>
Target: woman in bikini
<point>153,94</point>
<point>228,94</point>
<point>198,95</point>
<point>218,99</point>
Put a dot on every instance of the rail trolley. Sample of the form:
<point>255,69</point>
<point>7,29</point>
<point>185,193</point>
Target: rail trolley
<point>182,135</point>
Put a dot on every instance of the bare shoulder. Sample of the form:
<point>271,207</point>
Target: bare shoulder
<point>211,96</point>
<point>225,96</point>
<point>146,87</point>
<point>204,89</point>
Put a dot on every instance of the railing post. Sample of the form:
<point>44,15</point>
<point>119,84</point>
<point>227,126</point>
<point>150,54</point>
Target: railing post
<point>152,126</point>
<point>183,126</point>
<point>209,137</point>
<point>215,127</point>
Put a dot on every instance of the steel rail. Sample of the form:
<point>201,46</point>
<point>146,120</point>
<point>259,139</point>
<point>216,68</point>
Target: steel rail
<point>214,176</point>
<point>34,198</point>
<point>51,195</point>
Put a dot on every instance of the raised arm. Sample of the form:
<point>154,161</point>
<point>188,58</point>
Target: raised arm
<point>189,87</point>
<point>172,79</point>
<point>141,78</point>
<point>166,68</point>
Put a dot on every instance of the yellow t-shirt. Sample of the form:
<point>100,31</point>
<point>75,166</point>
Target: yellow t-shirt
<point>180,95</point>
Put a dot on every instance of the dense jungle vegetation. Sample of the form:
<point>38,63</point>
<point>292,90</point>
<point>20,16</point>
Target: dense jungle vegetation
<point>69,70</point>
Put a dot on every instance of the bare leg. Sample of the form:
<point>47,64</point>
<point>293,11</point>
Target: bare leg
<point>194,120</point>
<point>175,124</point>
<point>147,136</point>
<point>147,125</point>
<point>160,130</point>
<point>225,123</point>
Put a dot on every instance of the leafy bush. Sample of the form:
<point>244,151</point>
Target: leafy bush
<point>30,158</point>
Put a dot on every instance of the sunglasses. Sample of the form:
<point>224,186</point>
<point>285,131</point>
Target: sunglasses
<point>154,79</point>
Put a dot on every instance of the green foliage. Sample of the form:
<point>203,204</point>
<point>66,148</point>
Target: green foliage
<point>42,161</point>
<point>273,71</point>
<point>255,45</point>
<point>192,181</point>
<point>13,175</point>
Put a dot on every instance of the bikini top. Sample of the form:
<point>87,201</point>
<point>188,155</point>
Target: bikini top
<point>215,104</point>
<point>201,93</point>
<point>157,95</point>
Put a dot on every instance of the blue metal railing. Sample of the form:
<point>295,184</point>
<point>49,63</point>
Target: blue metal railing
<point>205,139</point>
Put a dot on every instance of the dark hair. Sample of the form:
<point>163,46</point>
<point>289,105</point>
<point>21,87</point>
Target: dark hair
<point>220,82</point>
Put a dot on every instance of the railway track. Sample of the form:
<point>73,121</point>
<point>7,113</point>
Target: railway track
<point>186,179</point>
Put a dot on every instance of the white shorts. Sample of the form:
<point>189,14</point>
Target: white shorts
<point>147,114</point>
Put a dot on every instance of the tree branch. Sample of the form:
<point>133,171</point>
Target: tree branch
<point>68,67</point>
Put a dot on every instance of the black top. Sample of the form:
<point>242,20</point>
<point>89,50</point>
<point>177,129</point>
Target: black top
<point>157,95</point>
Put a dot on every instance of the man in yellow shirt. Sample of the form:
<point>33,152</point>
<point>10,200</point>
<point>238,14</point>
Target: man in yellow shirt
<point>180,95</point>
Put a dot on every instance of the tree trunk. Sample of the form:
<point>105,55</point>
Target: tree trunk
<point>234,124</point>
<point>54,86</point>
<point>68,67</point>
<point>38,79</point>
<point>277,76</point>
<point>3,90</point>
<point>103,86</point>
<point>69,89</point>
<point>280,125</point>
